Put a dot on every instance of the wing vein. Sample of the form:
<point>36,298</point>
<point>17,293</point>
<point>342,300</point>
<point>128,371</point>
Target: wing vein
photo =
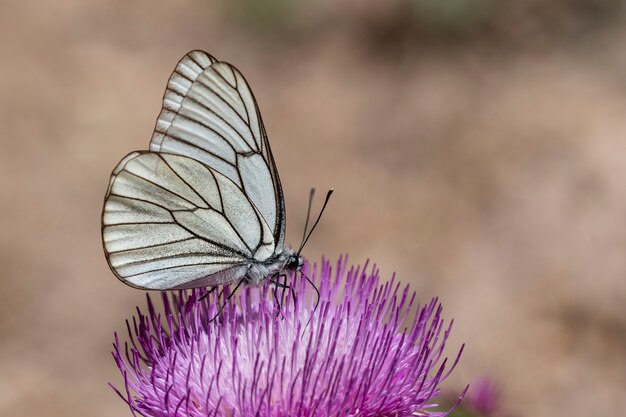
<point>208,87</point>
<point>136,223</point>
<point>182,140</point>
<point>199,122</point>
<point>176,71</point>
<point>184,180</point>
<point>152,246</point>
<point>144,201</point>
<point>199,63</point>
<point>176,256</point>
<point>161,187</point>
<point>245,106</point>
<point>178,266</point>
<point>231,223</point>
<point>221,245</point>
<point>219,192</point>
<point>199,103</point>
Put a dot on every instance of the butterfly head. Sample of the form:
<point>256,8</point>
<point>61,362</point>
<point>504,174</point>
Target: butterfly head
<point>294,262</point>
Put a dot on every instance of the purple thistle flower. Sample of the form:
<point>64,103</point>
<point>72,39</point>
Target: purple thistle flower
<point>366,350</point>
<point>484,397</point>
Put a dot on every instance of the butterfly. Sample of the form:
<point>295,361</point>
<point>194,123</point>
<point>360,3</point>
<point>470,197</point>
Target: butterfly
<point>204,205</point>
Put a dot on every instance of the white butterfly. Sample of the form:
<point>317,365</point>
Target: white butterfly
<point>204,206</point>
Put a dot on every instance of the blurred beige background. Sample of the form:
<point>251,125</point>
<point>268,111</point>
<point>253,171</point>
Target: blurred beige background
<point>477,148</point>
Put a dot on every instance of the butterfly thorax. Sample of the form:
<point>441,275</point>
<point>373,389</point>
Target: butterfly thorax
<point>283,262</point>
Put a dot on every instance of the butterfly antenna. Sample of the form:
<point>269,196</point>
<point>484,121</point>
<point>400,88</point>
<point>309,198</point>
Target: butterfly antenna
<point>219,311</point>
<point>330,192</point>
<point>308,215</point>
<point>317,292</point>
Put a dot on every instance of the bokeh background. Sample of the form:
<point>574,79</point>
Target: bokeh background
<point>477,148</point>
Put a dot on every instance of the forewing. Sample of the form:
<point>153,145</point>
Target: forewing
<point>171,222</point>
<point>209,114</point>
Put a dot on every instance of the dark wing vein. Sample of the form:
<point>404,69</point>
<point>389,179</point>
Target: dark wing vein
<point>179,266</point>
<point>232,225</point>
<point>156,245</point>
<point>182,140</point>
<point>136,223</point>
<point>244,103</point>
<point>220,245</point>
<point>175,256</point>
<point>199,103</point>
<point>219,192</point>
<point>184,180</point>
<point>183,75</point>
<point>143,201</point>
<point>161,187</point>
<point>247,123</point>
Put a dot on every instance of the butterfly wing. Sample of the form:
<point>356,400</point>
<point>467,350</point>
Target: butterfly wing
<point>209,114</point>
<point>170,221</point>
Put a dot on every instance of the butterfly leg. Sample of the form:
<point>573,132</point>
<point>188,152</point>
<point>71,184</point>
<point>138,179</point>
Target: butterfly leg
<point>206,294</point>
<point>275,292</point>
<point>219,311</point>
<point>285,286</point>
<point>277,282</point>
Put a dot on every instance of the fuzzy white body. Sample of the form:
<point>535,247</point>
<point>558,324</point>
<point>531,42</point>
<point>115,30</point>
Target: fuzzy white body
<point>259,272</point>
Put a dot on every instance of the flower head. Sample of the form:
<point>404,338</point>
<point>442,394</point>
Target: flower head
<point>366,350</point>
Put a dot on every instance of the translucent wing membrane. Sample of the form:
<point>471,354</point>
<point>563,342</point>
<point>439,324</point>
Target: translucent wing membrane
<point>172,222</point>
<point>209,114</point>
